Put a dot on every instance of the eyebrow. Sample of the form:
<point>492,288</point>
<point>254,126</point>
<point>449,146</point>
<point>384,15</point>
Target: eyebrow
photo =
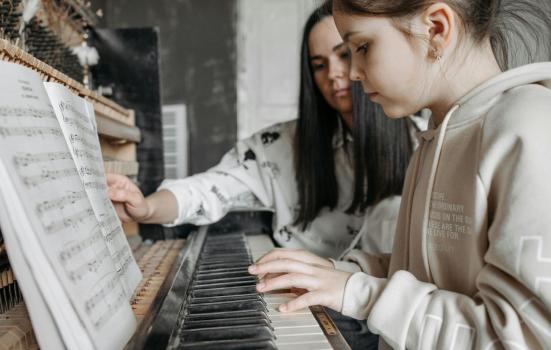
<point>335,48</point>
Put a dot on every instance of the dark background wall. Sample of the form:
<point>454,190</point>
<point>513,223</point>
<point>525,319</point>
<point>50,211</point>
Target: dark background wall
<point>198,65</point>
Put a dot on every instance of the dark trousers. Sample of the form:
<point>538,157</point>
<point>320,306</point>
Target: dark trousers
<point>355,332</point>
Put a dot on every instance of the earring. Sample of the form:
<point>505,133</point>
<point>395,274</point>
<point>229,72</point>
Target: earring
<point>436,54</point>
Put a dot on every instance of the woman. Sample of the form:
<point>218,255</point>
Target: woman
<point>311,192</point>
<point>470,263</point>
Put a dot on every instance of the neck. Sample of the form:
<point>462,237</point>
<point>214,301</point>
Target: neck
<point>478,67</point>
<point>348,119</point>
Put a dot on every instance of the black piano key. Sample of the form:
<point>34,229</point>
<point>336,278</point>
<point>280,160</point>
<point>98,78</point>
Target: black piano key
<point>215,266</point>
<point>226,298</point>
<point>241,321</point>
<point>253,332</point>
<point>203,282</point>
<point>213,292</point>
<point>206,285</point>
<point>230,345</point>
<point>222,275</point>
<point>224,268</point>
<point>227,306</point>
<point>227,315</point>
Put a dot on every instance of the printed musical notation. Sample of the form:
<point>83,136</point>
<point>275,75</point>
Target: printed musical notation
<point>70,222</point>
<point>60,203</point>
<point>76,119</point>
<point>76,248</point>
<point>26,159</point>
<point>76,138</point>
<point>91,266</point>
<point>86,155</point>
<point>30,131</point>
<point>109,298</point>
<point>49,175</point>
<point>20,112</point>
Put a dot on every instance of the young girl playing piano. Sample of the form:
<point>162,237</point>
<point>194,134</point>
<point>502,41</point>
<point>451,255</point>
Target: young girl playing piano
<point>471,262</point>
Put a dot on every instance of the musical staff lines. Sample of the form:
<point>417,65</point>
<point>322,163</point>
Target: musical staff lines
<point>26,159</point>
<point>76,248</point>
<point>30,131</point>
<point>70,222</point>
<point>20,112</point>
<point>108,299</point>
<point>60,203</point>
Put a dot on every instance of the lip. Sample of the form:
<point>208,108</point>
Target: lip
<point>342,92</point>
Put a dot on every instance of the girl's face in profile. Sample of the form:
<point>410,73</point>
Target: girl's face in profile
<point>330,64</point>
<point>391,66</point>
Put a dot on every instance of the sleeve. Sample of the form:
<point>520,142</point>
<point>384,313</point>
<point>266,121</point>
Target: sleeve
<point>510,307</point>
<point>370,251</point>
<point>241,181</point>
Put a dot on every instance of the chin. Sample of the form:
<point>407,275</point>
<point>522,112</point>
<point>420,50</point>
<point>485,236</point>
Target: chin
<point>395,112</point>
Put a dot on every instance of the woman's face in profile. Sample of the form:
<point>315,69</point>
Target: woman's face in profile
<point>330,64</point>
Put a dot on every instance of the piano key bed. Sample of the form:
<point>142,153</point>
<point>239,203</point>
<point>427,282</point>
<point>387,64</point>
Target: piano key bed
<point>213,304</point>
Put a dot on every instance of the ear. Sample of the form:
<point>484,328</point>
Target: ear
<point>440,22</point>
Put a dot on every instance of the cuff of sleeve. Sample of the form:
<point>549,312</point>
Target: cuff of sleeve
<point>391,317</point>
<point>347,266</point>
<point>176,188</point>
<point>360,292</point>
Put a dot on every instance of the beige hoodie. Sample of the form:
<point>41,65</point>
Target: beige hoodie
<point>471,262</point>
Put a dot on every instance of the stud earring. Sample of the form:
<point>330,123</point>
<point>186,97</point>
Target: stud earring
<point>436,54</point>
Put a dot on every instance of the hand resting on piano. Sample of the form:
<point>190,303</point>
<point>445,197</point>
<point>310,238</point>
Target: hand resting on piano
<point>288,268</point>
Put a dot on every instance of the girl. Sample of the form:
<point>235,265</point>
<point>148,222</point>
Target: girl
<point>470,266</point>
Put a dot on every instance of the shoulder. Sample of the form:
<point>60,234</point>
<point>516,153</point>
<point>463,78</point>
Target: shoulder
<point>278,132</point>
<point>524,111</point>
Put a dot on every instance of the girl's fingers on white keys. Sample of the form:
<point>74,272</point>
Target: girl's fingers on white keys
<point>288,281</point>
<point>301,302</point>
<point>281,266</point>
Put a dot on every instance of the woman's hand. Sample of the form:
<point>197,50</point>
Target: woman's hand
<point>323,285</point>
<point>127,198</point>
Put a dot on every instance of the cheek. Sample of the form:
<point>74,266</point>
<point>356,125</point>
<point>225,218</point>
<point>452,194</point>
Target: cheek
<point>322,82</point>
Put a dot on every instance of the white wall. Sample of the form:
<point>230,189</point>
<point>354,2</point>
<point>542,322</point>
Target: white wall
<point>269,35</point>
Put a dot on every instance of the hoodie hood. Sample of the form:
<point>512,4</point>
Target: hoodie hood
<point>472,105</point>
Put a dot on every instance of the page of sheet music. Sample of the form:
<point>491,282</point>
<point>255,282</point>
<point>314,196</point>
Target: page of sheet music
<point>64,244</point>
<point>78,126</point>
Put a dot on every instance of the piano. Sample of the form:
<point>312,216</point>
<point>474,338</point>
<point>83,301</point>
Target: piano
<point>212,303</point>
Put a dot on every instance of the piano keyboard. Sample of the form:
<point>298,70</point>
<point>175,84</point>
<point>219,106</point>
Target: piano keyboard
<point>221,309</point>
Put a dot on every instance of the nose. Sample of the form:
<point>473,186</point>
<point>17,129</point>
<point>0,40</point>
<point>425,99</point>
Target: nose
<point>356,73</point>
<point>337,69</point>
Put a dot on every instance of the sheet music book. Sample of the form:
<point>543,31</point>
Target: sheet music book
<point>63,237</point>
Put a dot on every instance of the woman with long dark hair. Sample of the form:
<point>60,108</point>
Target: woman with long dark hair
<point>301,170</point>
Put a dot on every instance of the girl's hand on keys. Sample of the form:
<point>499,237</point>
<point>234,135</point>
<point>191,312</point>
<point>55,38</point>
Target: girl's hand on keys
<point>323,285</point>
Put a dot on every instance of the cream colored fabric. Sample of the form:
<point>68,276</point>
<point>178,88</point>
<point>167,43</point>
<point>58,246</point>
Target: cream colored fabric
<point>471,262</point>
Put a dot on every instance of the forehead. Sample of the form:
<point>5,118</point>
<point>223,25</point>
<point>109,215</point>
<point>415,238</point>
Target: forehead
<point>324,37</point>
<point>350,26</point>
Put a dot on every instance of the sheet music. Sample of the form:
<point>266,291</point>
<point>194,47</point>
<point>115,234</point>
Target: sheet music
<point>57,230</point>
<point>77,121</point>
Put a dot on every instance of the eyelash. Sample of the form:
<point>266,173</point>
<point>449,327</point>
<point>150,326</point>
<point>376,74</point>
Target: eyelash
<point>362,48</point>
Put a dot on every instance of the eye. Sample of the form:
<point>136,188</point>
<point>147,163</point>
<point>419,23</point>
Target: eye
<point>362,48</point>
<point>317,66</point>
<point>345,55</point>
